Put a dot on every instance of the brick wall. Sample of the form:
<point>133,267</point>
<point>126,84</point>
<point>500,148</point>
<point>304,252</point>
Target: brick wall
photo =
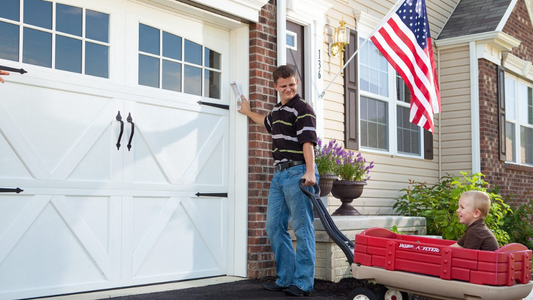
<point>519,26</point>
<point>511,179</point>
<point>263,53</point>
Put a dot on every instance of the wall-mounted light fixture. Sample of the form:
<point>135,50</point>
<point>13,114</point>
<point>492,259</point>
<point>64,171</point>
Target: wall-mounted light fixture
<point>341,38</point>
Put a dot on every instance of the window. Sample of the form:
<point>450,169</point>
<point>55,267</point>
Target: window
<point>170,62</point>
<point>56,36</point>
<point>408,134</point>
<point>385,107</point>
<point>519,121</point>
<point>291,40</point>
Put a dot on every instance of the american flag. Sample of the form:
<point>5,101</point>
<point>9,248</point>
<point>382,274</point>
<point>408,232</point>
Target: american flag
<point>404,39</point>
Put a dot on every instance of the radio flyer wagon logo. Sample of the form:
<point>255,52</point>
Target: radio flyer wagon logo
<point>419,248</point>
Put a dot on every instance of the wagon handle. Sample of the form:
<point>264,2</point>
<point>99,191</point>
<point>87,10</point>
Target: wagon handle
<point>346,245</point>
<point>316,187</point>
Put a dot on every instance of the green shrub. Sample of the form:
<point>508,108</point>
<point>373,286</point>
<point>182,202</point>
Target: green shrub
<point>438,204</point>
<point>519,226</point>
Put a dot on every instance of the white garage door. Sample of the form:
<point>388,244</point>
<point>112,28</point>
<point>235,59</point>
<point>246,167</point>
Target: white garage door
<point>94,215</point>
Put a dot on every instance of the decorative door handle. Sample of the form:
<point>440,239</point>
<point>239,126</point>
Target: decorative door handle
<point>130,120</point>
<point>223,106</point>
<point>17,190</point>
<point>119,118</point>
<point>6,68</point>
<point>221,195</point>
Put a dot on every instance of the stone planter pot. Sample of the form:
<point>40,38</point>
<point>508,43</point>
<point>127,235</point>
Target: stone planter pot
<point>326,184</point>
<point>347,191</point>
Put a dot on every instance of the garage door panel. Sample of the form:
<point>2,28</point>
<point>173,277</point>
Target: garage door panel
<point>50,253</point>
<point>180,140</point>
<point>20,146</point>
<point>211,170</point>
<point>81,166</point>
<point>214,233</point>
<point>95,147</point>
<point>144,248</point>
<point>80,215</point>
<point>144,213</point>
<point>50,120</point>
<point>24,219</point>
<point>174,237</point>
<point>150,147</point>
<point>12,166</point>
<point>214,146</point>
<point>12,207</point>
<point>151,165</point>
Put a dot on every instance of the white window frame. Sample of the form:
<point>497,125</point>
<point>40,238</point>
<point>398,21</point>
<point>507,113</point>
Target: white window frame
<point>295,39</point>
<point>54,33</point>
<point>393,103</point>
<point>518,119</point>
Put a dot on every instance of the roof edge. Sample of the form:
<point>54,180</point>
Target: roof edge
<point>506,16</point>
<point>498,39</point>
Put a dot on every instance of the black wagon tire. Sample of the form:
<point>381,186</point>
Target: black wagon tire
<point>361,294</point>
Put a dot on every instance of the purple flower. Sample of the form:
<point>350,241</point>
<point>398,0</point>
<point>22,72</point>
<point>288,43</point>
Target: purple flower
<point>345,163</point>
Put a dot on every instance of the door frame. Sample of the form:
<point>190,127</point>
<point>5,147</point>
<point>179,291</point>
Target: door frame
<point>310,15</point>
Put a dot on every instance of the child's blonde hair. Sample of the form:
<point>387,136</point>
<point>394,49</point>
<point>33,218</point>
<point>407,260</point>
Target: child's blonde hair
<point>481,201</point>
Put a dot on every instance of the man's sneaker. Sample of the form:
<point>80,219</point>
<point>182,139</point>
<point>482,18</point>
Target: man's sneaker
<point>272,286</point>
<point>296,291</point>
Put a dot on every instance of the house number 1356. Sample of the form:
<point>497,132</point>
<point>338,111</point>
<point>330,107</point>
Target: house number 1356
<point>319,66</point>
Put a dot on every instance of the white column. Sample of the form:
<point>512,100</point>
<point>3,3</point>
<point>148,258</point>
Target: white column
<point>474,102</point>
<point>282,28</point>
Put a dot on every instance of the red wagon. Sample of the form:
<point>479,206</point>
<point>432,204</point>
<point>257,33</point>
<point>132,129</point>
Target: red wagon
<point>402,264</point>
<point>419,265</point>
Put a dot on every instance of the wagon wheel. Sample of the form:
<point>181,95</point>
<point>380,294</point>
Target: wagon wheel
<point>390,294</point>
<point>361,294</point>
<point>396,295</point>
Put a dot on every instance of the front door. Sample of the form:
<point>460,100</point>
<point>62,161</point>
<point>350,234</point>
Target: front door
<point>125,182</point>
<point>295,53</point>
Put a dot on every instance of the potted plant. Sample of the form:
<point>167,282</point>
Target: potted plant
<point>325,159</point>
<point>353,171</point>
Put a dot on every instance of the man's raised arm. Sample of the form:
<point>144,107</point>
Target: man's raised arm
<point>247,110</point>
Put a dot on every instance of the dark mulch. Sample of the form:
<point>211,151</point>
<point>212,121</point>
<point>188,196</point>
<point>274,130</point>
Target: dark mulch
<point>346,285</point>
<point>252,289</point>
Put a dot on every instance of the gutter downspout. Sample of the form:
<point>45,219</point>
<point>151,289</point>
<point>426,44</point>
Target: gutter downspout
<point>440,118</point>
<point>474,109</point>
<point>281,17</point>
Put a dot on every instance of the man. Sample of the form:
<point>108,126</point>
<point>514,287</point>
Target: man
<point>3,73</point>
<point>292,124</point>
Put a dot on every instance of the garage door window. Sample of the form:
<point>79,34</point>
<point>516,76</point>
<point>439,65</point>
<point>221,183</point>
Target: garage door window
<point>57,36</point>
<point>170,62</point>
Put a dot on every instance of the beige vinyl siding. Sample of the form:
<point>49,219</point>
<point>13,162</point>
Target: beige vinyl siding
<point>456,110</point>
<point>334,104</point>
<point>390,174</point>
<point>438,11</point>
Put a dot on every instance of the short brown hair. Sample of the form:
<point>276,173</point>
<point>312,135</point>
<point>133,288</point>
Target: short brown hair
<point>283,71</point>
<point>481,201</point>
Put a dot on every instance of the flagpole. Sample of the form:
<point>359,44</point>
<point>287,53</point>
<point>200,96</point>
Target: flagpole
<point>391,11</point>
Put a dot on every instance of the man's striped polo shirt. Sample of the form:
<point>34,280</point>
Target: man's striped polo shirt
<point>291,125</point>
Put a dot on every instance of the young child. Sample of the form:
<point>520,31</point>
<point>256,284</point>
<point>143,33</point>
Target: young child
<point>473,208</point>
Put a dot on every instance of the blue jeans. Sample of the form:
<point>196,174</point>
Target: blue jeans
<point>286,200</point>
